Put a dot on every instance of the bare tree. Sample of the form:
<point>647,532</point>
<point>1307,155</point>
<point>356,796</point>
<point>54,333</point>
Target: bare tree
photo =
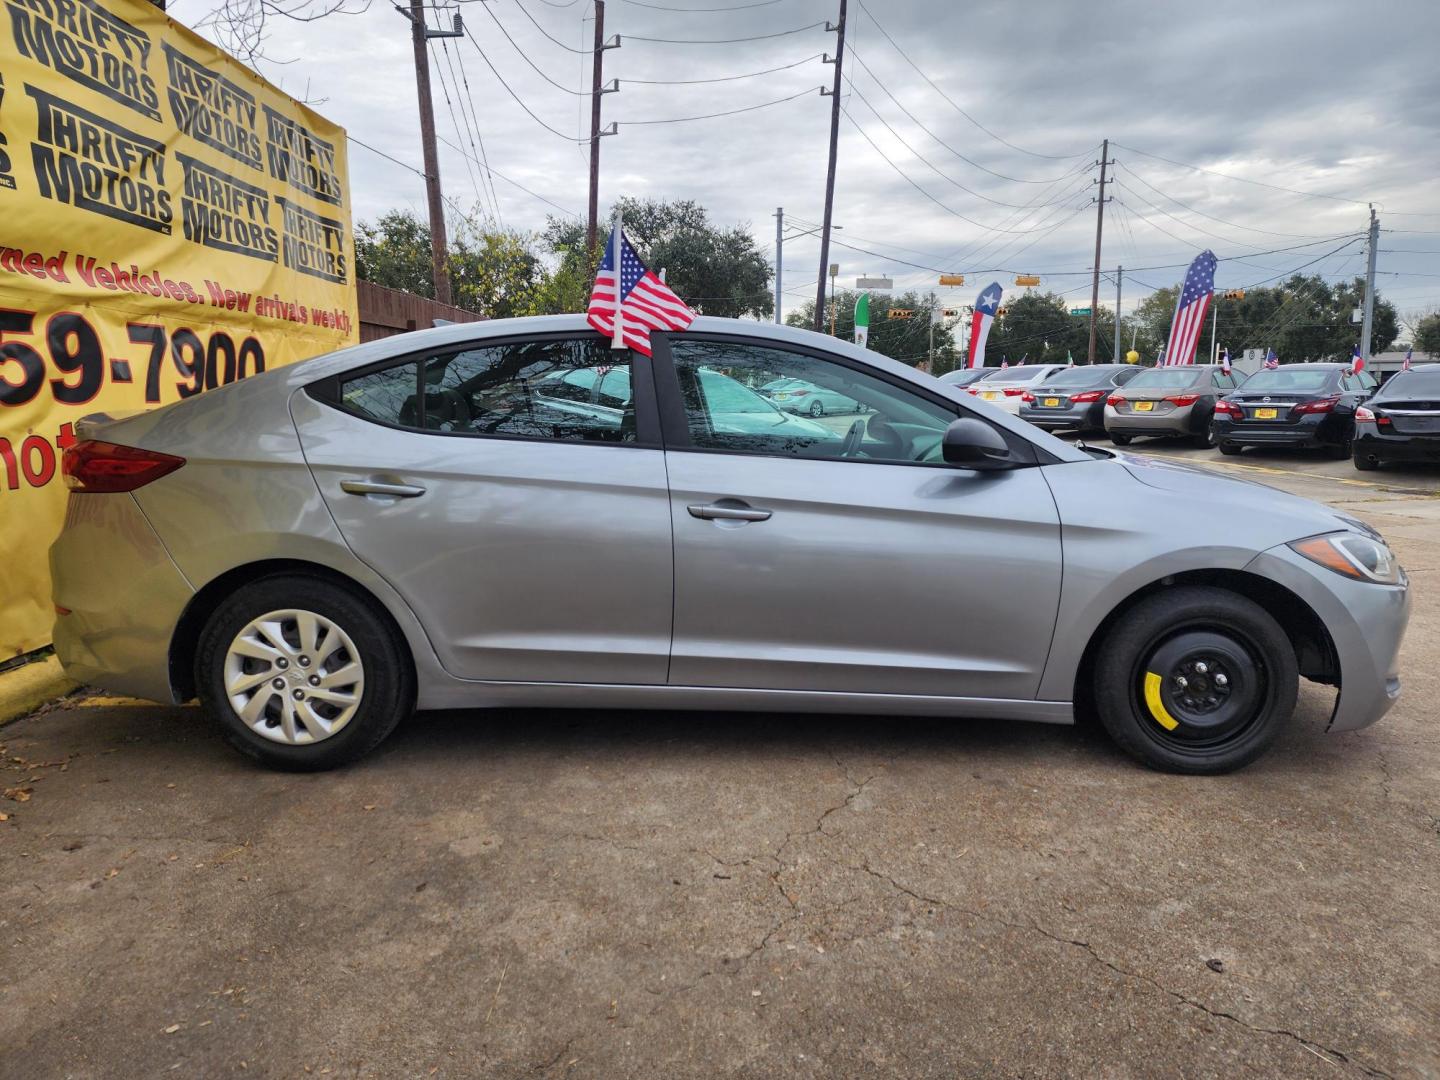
<point>243,27</point>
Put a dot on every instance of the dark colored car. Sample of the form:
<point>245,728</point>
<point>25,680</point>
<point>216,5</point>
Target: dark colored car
<point>1402,421</point>
<point>1295,405</point>
<point>1074,399</point>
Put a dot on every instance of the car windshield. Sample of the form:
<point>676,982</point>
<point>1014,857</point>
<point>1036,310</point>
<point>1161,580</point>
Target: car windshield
<point>1411,384</point>
<point>1171,378</point>
<point>1021,373</point>
<point>1304,381</point>
<point>1080,376</point>
<point>724,395</point>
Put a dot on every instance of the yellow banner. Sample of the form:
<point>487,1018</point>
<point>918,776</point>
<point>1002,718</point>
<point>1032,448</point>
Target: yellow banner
<point>169,222</point>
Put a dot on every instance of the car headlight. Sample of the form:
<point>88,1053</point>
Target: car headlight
<point>1362,558</point>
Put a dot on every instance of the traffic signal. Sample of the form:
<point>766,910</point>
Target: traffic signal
<point>1233,294</point>
<point>950,312</point>
<point>1000,313</point>
<point>899,313</point>
<point>1026,279</point>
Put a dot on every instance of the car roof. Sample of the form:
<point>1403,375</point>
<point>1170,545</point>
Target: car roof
<point>1316,366</point>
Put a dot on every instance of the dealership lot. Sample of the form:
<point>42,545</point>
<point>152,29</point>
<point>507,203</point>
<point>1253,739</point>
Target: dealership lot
<point>606,894</point>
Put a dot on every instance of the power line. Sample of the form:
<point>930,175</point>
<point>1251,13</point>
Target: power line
<point>546,33</point>
<point>998,138</point>
<point>455,123</point>
<point>728,112</point>
<point>875,79</point>
<point>1242,179</point>
<point>1212,217</point>
<point>723,78</point>
<point>702,11</point>
<point>518,101</point>
<point>524,56</point>
<point>1182,221</point>
<point>723,41</point>
<point>512,183</point>
<point>403,164</point>
<point>479,137</point>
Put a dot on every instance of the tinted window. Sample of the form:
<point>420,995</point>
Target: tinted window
<point>575,390</point>
<point>1304,381</point>
<point>723,413</point>
<point>1081,376</point>
<point>1223,381</point>
<point>1168,378</point>
<point>1411,384</point>
<point>1127,375</point>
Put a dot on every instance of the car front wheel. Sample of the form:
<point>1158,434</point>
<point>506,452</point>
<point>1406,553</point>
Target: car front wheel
<point>817,409</point>
<point>1195,680</point>
<point>302,674</point>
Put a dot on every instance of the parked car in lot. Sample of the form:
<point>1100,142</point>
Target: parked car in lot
<point>1002,387</point>
<point>1296,405</point>
<point>1073,399</point>
<point>963,377</point>
<point>1401,422</point>
<point>316,551</point>
<point>1171,401</point>
<point>799,396</point>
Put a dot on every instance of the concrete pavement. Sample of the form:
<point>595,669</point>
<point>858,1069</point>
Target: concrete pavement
<point>659,895</point>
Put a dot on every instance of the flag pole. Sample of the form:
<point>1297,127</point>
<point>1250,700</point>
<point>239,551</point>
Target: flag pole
<point>617,247</point>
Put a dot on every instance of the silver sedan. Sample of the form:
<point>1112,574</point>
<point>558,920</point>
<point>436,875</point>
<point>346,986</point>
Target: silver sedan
<point>437,520</point>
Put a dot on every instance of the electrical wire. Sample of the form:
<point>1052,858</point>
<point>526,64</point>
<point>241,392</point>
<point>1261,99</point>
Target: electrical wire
<point>525,56</point>
<point>1241,179</point>
<point>445,90</point>
<point>998,138</point>
<point>702,11</point>
<point>513,183</point>
<point>728,112</point>
<point>852,54</point>
<point>551,37</point>
<point>479,138</point>
<point>723,78</point>
<point>518,101</point>
<point>723,41</point>
<point>1212,217</point>
<point>403,164</point>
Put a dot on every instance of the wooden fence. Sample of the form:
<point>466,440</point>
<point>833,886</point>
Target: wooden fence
<point>384,312</point>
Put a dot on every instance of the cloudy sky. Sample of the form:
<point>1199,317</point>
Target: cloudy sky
<point>969,135</point>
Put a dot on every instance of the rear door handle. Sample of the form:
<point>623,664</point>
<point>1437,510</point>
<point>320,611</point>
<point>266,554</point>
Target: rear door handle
<point>381,487</point>
<point>723,512</point>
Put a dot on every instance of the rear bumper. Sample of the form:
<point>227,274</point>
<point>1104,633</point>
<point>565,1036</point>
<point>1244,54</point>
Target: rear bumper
<point>1309,431</point>
<point>1181,421</point>
<point>1089,416</point>
<point>1366,624</point>
<point>1419,448</point>
<point>124,594</point>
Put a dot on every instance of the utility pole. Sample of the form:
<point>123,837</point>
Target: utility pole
<point>930,350</point>
<point>419,36</point>
<point>779,245</point>
<point>839,30</point>
<point>834,271</point>
<point>598,89</point>
<point>1119,275</point>
<point>1369,322</point>
<point>1099,232</point>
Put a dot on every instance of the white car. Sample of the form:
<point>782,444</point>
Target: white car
<point>1003,386</point>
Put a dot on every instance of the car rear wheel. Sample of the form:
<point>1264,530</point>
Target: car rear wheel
<point>1230,449</point>
<point>1196,680</point>
<point>1205,439</point>
<point>302,674</point>
<point>817,409</point>
<point>1120,440</point>
<point>1340,451</point>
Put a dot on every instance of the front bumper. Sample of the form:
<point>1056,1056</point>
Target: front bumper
<point>1366,624</point>
<point>124,593</point>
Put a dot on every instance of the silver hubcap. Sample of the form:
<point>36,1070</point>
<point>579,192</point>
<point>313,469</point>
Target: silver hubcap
<point>294,677</point>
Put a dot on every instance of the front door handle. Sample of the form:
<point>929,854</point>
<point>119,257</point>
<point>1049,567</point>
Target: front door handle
<point>381,487</point>
<point>731,512</point>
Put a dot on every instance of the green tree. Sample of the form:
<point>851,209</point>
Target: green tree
<point>717,271</point>
<point>904,338</point>
<point>1427,335</point>
<point>1038,328</point>
<point>394,251</point>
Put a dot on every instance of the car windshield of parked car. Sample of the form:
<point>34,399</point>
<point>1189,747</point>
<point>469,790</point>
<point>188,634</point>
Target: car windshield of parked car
<point>1023,373</point>
<point>962,376</point>
<point>724,395</point>
<point>1080,377</point>
<point>1171,378</point>
<point>1412,385</point>
<point>1305,381</point>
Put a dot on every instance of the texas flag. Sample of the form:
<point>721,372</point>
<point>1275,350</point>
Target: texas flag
<point>986,305</point>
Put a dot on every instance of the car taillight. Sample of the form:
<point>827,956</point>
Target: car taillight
<point>1369,416</point>
<point>1087,396</point>
<point>1014,391</point>
<point>96,466</point>
<point>797,393</point>
<point>1115,399</point>
<point>971,390</point>
<point>1027,397</point>
<point>1225,408</point>
<point>1182,400</point>
<point>1322,405</point>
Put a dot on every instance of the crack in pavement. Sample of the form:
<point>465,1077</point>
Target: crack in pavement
<point>1310,1044</point>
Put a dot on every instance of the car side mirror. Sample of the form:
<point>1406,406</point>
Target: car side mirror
<point>973,444</point>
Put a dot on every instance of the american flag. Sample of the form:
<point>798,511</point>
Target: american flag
<point>1406,365</point>
<point>1357,362</point>
<point>646,303</point>
<point>1191,309</point>
<point>1271,360</point>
